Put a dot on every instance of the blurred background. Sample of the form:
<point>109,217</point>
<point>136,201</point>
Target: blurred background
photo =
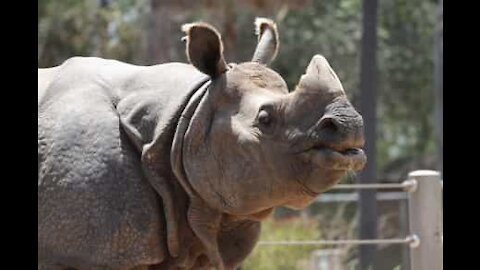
<point>396,85</point>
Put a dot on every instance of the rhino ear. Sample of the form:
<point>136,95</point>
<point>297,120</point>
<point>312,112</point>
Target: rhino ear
<point>268,42</point>
<point>205,48</point>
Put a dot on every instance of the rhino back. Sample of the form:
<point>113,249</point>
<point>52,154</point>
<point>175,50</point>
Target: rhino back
<point>94,204</point>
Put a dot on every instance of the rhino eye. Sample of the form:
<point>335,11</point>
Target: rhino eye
<point>264,118</point>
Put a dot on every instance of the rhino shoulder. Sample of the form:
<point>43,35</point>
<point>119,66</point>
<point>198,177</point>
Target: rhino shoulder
<point>45,77</point>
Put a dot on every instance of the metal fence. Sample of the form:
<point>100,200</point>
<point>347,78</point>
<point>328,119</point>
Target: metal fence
<point>424,191</point>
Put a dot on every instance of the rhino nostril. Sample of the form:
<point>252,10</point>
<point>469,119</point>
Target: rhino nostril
<point>328,124</point>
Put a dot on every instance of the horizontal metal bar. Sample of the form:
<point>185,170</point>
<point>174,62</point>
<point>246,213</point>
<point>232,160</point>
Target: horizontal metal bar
<point>407,240</point>
<point>353,197</point>
<point>404,185</point>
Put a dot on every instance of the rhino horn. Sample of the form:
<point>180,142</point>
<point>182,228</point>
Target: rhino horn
<point>268,43</point>
<point>319,78</point>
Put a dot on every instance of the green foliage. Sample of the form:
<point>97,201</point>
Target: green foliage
<point>405,80</point>
<point>283,257</point>
<point>331,28</point>
<point>84,28</point>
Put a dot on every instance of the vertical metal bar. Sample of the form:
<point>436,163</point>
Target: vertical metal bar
<point>368,72</point>
<point>426,220</point>
<point>403,217</point>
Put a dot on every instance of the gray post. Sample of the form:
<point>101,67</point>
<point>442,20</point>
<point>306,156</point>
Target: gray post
<point>368,105</point>
<point>426,220</point>
<point>327,259</point>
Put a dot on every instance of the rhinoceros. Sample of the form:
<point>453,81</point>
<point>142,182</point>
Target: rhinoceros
<point>175,165</point>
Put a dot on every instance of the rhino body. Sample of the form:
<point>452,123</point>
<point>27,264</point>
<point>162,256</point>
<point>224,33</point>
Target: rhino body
<point>173,166</point>
<point>94,201</point>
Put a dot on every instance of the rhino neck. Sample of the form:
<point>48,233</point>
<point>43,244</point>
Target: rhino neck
<point>176,157</point>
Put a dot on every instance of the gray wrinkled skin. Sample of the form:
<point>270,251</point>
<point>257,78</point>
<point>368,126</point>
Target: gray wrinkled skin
<point>173,166</point>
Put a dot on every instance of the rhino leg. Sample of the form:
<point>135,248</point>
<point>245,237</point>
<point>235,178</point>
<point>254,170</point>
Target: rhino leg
<point>48,266</point>
<point>142,267</point>
<point>150,164</point>
<point>205,222</point>
<point>237,240</point>
<point>44,266</point>
<point>166,193</point>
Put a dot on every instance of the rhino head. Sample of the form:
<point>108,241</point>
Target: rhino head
<point>252,145</point>
<point>249,145</point>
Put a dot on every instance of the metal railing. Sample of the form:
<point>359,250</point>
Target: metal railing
<point>424,194</point>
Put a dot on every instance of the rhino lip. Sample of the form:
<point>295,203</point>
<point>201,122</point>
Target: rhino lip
<point>347,159</point>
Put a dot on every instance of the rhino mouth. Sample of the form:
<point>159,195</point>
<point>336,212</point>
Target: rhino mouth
<point>334,163</point>
<point>346,159</point>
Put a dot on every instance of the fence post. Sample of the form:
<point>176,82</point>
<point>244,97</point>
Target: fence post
<point>426,220</point>
<point>326,259</point>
